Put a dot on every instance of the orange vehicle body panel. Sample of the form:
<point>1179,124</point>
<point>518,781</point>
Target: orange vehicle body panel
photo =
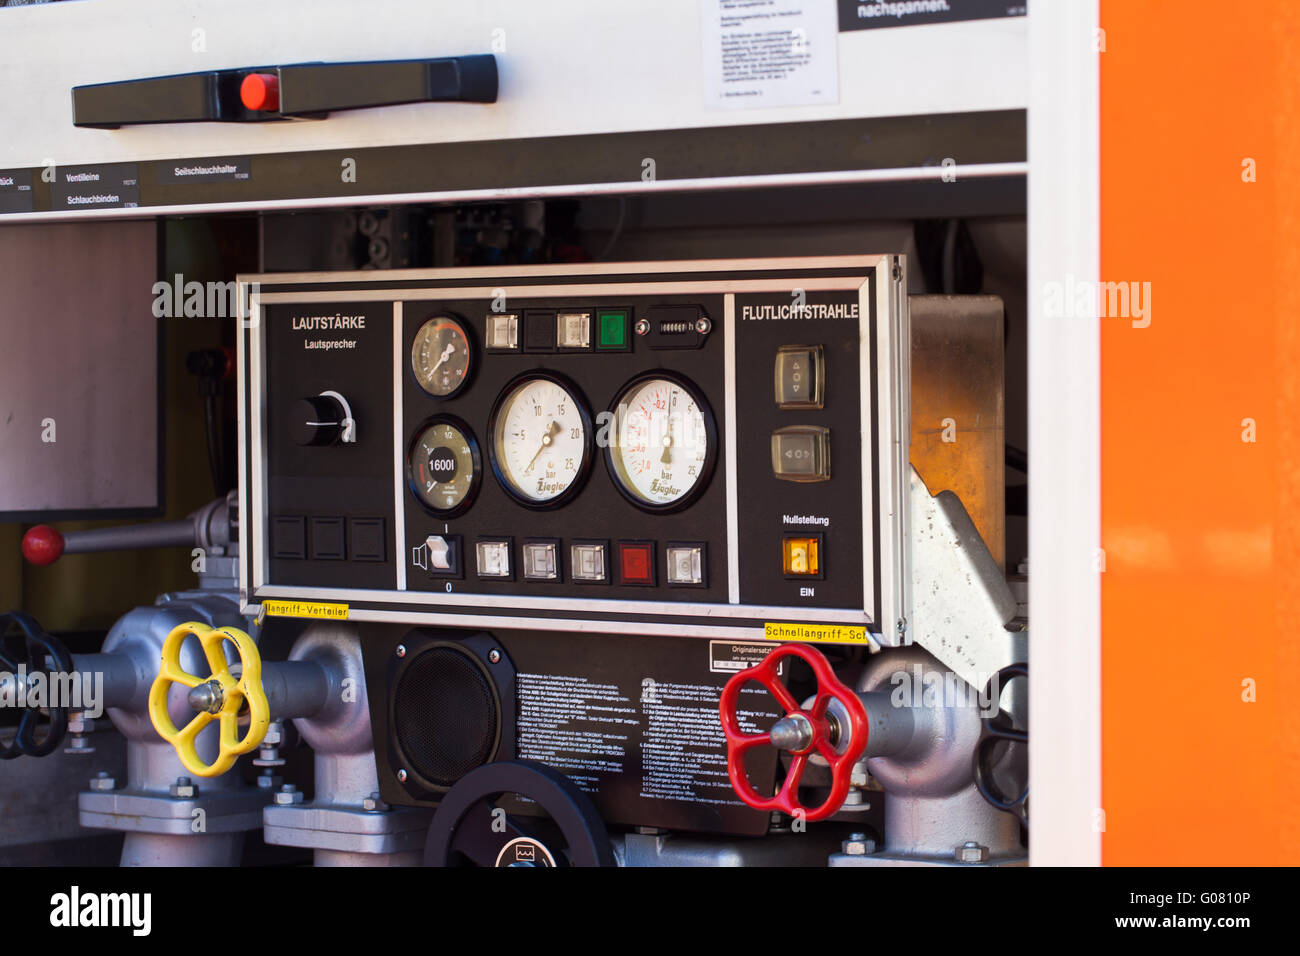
<point>1201,585</point>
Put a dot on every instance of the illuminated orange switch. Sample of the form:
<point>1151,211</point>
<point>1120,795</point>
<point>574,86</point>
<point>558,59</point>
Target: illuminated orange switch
<point>801,556</point>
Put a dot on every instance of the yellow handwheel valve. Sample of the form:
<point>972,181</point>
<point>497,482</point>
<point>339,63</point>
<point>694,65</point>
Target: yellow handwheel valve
<point>222,695</point>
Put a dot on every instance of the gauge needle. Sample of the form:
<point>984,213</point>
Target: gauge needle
<point>446,354</point>
<point>551,431</point>
<point>667,457</point>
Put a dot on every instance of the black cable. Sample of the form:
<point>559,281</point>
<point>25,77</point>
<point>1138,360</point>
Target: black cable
<point>216,460</point>
<point>210,366</point>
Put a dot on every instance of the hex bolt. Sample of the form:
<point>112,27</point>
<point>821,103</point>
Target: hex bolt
<point>374,804</point>
<point>854,799</point>
<point>858,845</point>
<point>703,326</point>
<point>287,796</point>
<point>494,656</point>
<point>971,852</point>
<point>401,776</point>
<point>401,650</point>
<point>102,781</point>
<point>643,327</point>
<point>184,787</point>
<point>79,723</point>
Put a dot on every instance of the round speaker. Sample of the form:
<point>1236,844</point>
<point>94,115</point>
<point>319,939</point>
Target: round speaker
<point>446,714</point>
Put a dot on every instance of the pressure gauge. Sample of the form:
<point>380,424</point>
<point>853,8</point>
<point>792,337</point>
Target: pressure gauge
<point>541,439</point>
<point>441,356</point>
<point>443,465</point>
<point>664,442</point>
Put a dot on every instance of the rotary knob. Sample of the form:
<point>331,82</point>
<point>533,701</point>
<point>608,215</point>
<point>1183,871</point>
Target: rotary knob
<point>323,419</point>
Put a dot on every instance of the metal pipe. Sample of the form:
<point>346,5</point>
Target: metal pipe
<point>295,688</point>
<point>160,534</point>
<point>891,729</point>
<point>118,676</point>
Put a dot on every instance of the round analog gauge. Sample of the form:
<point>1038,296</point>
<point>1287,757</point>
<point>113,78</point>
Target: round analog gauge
<point>541,439</point>
<point>664,442</point>
<point>441,356</point>
<point>443,465</point>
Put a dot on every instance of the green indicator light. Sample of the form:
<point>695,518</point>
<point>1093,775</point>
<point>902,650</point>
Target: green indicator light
<point>613,329</point>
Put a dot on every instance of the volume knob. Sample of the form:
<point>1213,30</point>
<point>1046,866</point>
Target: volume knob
<point>318,420</point>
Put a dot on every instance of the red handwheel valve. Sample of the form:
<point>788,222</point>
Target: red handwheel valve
<point>839,736</point>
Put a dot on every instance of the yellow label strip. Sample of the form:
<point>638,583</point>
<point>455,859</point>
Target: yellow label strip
<point>332,612</point>
<point>817,633</point>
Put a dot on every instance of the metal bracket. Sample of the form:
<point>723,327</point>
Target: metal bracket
<point>960,599</point>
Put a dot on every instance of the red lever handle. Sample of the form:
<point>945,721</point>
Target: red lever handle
<point>829,688</point>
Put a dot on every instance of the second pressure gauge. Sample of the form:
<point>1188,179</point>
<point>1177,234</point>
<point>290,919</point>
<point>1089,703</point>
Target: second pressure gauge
<point>443,465</point>
<point>665,442</point>
<point>541,439</point>
<point>441,356</point>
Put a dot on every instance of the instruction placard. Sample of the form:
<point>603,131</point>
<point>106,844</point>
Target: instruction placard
<point>769,53</point>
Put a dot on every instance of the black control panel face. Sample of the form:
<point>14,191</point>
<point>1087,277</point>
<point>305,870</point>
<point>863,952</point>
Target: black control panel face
<point>694,448</point>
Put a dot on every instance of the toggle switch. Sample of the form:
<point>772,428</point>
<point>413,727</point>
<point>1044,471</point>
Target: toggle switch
<point>494,558</point>
<point>587,562</point>
<point>686,565</point>
<point>542,560</point>
<point>502,332</point>
<point>443,554</point>
<point>439,552</point>
<point>636,563</point>
<point>800,376</point>
<point>801,556</point>
<point>801,453</point>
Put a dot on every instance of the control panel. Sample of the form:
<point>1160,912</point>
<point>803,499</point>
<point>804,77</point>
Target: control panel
<point>699,448</point>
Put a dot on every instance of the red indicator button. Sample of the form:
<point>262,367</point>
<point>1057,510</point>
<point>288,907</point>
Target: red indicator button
<point>42,545</point>
<point>261,91</point>
<point>636,562</point>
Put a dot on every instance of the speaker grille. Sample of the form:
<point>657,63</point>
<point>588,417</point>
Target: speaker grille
<point>445,715</point>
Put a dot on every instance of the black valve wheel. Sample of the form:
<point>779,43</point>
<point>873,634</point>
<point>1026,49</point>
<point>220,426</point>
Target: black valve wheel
<point>996,730</point>
<point>25,650</point>
<point>467,828</point>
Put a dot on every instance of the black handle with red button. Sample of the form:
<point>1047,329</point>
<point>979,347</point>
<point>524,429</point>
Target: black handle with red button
<point>256,94</point>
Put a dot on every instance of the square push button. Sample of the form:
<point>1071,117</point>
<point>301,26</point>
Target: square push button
<point>801,556</point>
<point>801,453</point>
<point>327,539</point>
<point>611,330</point>
<point>636,563</point>
<point>800,376</point>
<point>573,331</point>
<point>587,562</point>
<point>289,536</point>
<point>493,556</point>
<point>367,535</point>
<point>539,331</point>
<point>686,565</point>
<point>502,332</point>
<point>542,560</point>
